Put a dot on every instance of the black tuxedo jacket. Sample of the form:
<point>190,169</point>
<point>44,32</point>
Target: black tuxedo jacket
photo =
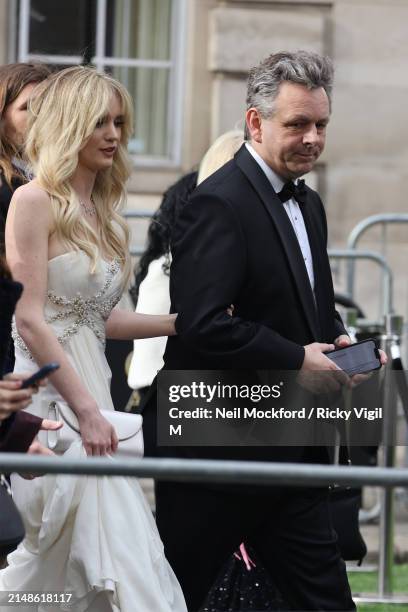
<point>234,244</point>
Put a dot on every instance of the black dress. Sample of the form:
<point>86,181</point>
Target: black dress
<point>6,193</point>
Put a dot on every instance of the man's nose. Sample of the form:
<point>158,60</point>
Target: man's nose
<point>311,136</point>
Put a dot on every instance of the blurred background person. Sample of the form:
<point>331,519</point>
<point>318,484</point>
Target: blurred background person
<point>17,82</point>
<point>153,270</point>
<point>18,429</point>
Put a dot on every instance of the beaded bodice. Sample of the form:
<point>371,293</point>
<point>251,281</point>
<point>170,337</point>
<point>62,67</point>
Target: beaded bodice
<point>77,298</point>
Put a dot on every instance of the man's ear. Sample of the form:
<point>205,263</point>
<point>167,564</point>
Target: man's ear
<point>254,124</point>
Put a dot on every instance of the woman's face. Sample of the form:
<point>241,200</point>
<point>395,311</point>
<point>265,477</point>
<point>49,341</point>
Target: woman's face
<point>100,148</point>
<point>15,117</point>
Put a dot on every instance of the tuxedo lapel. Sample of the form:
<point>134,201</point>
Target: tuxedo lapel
<point>285,230</point>
<point>321,267</point>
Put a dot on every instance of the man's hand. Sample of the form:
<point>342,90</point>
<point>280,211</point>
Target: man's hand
<point>318,373</point>
<point>342,341</point>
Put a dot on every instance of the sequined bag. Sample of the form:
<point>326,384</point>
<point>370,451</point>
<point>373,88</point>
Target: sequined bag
<point>243,585</point>
<point>128,428</point>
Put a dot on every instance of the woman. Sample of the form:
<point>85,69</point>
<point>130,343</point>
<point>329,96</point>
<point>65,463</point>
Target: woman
<point>152,275</point>
<point>152,279</point>
<point>12,397</point>
<point>17,82</point>
<point>68,245</point>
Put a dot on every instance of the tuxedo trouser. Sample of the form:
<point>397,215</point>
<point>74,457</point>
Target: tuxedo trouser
<point>289,528</point>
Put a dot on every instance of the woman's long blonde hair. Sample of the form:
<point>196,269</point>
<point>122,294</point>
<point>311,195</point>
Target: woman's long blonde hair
<point>62,116</point>
<point>220,152</point>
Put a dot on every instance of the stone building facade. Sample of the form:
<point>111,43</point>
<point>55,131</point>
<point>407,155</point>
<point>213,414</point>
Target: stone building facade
<point>212,45</point>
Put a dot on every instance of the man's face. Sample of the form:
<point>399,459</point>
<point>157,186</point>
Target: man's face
<point>292,139</point>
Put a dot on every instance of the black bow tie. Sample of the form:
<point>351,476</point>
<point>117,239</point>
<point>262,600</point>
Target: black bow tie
<point>290,190</point>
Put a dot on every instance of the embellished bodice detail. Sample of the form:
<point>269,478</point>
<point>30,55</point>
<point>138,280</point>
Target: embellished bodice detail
<point>67,310</point>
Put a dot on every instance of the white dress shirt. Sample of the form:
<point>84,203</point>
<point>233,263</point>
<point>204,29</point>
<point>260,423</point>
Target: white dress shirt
<point>292,210</point>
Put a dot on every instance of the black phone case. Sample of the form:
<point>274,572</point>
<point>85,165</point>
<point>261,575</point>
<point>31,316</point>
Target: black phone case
<point>353,365</point>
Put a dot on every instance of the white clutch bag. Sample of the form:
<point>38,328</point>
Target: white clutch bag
<point>128,428</point>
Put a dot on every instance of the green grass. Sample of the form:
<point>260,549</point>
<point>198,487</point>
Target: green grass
<point>367,583</point>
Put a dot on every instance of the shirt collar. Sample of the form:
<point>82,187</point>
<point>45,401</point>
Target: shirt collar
<point>275,180</point>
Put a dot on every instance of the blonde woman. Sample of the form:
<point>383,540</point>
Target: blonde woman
<point>68,245</point>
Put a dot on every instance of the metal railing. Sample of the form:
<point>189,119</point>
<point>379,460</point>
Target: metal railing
<point>208,470</point>
<point>387,276</point>
<point>356,233</point>
<point>233,472</point>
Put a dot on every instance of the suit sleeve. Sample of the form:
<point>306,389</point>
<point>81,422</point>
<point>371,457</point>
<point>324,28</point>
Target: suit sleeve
<point>207,276</point>
<point>18,431</point>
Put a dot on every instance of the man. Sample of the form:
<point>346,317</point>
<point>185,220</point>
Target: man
<point>252,238</point>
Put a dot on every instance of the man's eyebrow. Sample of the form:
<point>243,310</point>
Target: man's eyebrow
<point>305,119</point>
<point>297,119</point>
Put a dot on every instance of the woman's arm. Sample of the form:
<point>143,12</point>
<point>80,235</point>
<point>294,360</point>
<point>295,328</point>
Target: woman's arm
<point>29,226</point>
<point>127,325</point>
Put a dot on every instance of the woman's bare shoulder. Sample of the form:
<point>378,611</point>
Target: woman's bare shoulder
<point>33,198</point>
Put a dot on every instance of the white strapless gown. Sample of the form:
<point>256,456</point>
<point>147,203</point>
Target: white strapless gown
<point>93,537</point>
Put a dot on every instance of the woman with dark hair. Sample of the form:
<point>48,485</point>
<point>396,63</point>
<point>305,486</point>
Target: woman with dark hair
<point>151,291</point>
<point>163,220</point>
<point>17,82</point>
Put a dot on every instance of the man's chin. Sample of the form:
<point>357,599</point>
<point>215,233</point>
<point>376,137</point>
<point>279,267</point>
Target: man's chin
<point>299,170</point>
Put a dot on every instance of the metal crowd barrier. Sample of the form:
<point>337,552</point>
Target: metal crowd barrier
<point>233,472</point>
<point>387,276</point>
<point>208,470</point>
<point>356,233</point>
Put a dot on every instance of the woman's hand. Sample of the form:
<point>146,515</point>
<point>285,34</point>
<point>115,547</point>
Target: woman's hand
<point>98,435</point>
<point>12,396</point>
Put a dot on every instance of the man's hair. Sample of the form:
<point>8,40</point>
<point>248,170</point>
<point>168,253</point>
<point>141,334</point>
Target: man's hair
<point>302,67</point>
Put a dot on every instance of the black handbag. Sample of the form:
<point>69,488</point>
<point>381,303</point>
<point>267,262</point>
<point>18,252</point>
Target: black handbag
<point>243,585</point>
<point>345,504</point>
<point>11,526</point>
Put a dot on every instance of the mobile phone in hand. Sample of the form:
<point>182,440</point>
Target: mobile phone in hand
<point>42,373</point>
<point>357,358</point>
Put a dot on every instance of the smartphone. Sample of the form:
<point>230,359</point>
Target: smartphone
<point>357,358</point>
<point>42,373</point>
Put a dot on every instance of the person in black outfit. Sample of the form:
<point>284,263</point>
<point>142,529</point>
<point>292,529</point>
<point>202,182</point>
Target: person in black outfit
<point>17,82</point>
<point>18,429</point>
<point>253,237</point>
